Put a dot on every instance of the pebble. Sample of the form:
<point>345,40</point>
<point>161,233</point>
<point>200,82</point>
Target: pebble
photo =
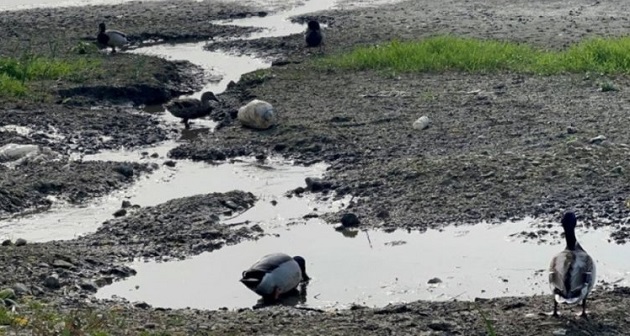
<point>88,285</point>
<point>7,242</point>
<point>421,123</point>
<point>350,220</point>
<point>20,242</point>
<point>598,139</point>
<point>52,282</point>
<point>315,184</point>
<point>124,170</point>
<point>170,163</point>
<point>62,264</point>
<point>120,213</point>
<point>434,281</point>
<point>20,288</point>
<point>125,204</point>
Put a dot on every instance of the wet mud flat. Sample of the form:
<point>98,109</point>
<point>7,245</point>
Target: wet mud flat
<point>490,154</point>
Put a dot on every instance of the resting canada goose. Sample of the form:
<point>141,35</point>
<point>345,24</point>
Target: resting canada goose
<point>111,38</point>
<point>191,108</point>
<point>274,275</point>
<point>314,36</point>
<point>572,271</point>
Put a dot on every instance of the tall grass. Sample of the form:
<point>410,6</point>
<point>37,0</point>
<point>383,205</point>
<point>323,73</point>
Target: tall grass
<point>443,53</point>
<point>15,73</point>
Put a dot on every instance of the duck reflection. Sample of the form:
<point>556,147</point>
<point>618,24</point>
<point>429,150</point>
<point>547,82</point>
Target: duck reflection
<point>292,298</point>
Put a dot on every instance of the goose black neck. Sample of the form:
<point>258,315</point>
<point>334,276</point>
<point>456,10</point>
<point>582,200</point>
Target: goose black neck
<point>569,235</point>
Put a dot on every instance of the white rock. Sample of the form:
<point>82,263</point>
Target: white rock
<point>12,152</point>
<point>422,123</point>
<point>257,114</point>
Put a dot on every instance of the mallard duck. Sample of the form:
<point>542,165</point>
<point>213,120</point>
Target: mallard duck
<point>191,108</point>
<point>572,271</point>
<point>257,114</point>
<point>274,275</point>
<point>111,38</point>
<point>314,36</point>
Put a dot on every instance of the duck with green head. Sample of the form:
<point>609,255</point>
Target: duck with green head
<point>572,271</point>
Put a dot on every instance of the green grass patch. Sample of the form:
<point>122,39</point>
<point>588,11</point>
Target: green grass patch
<point>16,73</point>
<point>444,53</point>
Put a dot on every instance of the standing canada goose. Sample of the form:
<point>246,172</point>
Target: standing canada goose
<point>572,271</point>
<point>191,108</point>
<point>274,275</point>
<point>111,38</point>
<point>314,36</point>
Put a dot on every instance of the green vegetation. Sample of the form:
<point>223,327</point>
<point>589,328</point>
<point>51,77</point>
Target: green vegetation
<point>16,73</point>
<point>442,53</point>
<point>487,323</point>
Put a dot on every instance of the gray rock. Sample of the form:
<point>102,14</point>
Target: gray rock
<point>350,220</point>
<point>120,213</point>
<point>440,325</point>
<point>7,242</point>
<point>88,286</point>
<point>124,170</point>
<point>20,242</point>
<point>125,204</point>
<point>598,139</point>
<point>170,163</point>
<point>21,288</point>
<point>104,281</point>
<point>434,281</point>
<point>142,305</point>
<point>315,184</point>
<point>58,263</point>
<point>52,282</point>
<point>617,170</point>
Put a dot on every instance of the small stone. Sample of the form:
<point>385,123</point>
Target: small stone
<point>598,139</point>
<point>150,326</point>
<point>62,264</point>
<point>572,130</point>
<point>261,157</point>
<point>421,123</point>
<point>559,332</point>
<point>52,282</point>
<point>434,281</point>
<point>350,220</point>
<point>488,174</point>
<point>170,163</point>
<point>155,155</point>
<point>316,184</point>
<point>382,214</point>
<point>617,170</point>
<point>88,286</point>
<point>125,204</point>
<point>20,242</point>
<point>7,242</point>
<point>440,326</point>
<point>274,202</point>
<point>124,170</point>
<point>104,281</point>
<point>20,288</point>
<point>120,213</point>
<point>142,305</point>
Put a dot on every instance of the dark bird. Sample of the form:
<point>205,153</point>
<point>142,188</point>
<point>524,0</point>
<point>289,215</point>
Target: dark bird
<point>111,38</point>
<point>314,36</point>
<point>191,108</point>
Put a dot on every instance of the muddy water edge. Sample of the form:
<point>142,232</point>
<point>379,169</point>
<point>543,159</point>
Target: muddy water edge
<point>515,101</point>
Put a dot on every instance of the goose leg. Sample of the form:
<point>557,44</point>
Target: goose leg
<point>583,309</point>
<point>276,293</point>
<point>555,308</point>
<point>186,124</point>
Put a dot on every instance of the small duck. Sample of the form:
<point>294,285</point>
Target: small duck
<point>572,271</point>
<point>111,38</point>
<point>314,36</point>
<point>191,108</point>
<point>275,274</point>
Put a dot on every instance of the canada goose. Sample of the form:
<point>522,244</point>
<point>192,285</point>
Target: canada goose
<point>191,108</point>
<point>111,38</point>
<point>572,271</point>
<point>314,36</point>
<point>274,275</point>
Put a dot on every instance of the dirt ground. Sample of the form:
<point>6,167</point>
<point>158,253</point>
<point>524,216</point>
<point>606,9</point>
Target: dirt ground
<point>501,146</point>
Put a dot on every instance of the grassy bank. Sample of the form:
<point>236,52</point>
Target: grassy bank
<point>17,73</point>
<point>442,53</point>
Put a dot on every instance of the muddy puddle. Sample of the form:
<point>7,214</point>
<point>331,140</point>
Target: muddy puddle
<point>269,181</point>
<point>469,261</point>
